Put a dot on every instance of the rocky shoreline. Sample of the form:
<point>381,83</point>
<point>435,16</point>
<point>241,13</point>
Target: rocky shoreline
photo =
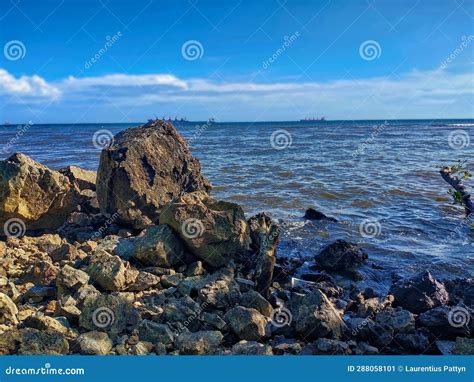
<point>140,259</point>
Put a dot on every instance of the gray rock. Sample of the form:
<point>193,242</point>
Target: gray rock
<point>399,319</point>
<point>29,341</point>
<point>107,271</point>
<point>94,343</point>
<point>247,323</point>
<point>331,347</point>
<point>315,316</point>
<point>420,293</point>
<point>70,280</point>
<point>447,321</point>
<point>202,342</point>
<point>340,256</point>
<point>253,299</point>
<point>159,246</point>
<point>251,348</point>
<point>154,332</point>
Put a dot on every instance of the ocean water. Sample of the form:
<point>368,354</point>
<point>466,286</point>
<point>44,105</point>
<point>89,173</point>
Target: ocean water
<point>379,179</point>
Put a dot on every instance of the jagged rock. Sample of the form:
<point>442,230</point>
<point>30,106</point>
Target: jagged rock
<point>282,345</point>
<point>8,288</point>
<point>67,252</point>
<point>45,243</point>
<point>448,321</point>
<point>38,293</point>
<point>213,320</point>
<point>363,348</point>
<point>29,341</point>
<point>46,323</point>
<point>82,179</point>
<point>143,170</point>
<point>464,346</point>
<point>417,341</point>
<point>182,314</point>
<point>94,343</point>
<point>70,280</point>
<point>195,269</point>
<point>107,312</point>
<point>8,310</point>
<point>340,256</point>
<point>107,271</point>
<point>251,348</point>
<point>40,197</point>
<point>171,281</point>
<point>144,281</point>
<point>220,290</point>
<point>400,320</point>
<point>159,246</point>
<point>253,299</point>
<point>315,316</point>
<point>420,293</point>
<point>312,214</point>
<point>247,323</point>
<point>154,332</point>
<point>214,231</point>
<point>43,273</point>
<point>331,347</point>
<point>202,342</point>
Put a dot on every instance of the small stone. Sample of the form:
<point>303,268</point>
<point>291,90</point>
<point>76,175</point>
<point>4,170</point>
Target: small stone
<point>8,310</point>
<point>331,347</point>
<point>198,343</point>
<point>169,281</point>
<point>251,348</point>
<point>94,343</point>
<point>70,279</point>
<point>107,271</point>
<point>247,323</point>
<point>340,256</point>
<point>144,281</point>
<point>253,299</point>
<point>154,332</point>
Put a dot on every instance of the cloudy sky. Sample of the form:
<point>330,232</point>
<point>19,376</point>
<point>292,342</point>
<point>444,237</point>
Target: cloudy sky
<point>122,61</point>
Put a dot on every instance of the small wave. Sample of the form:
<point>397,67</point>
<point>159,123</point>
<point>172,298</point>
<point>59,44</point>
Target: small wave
<point>461,124</point>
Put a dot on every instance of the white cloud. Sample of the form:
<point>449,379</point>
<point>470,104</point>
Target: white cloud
<point>416,94</point>
<point>26,86</point>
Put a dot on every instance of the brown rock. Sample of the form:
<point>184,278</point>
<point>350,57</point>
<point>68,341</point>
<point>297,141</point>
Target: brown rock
<point>145,169</point>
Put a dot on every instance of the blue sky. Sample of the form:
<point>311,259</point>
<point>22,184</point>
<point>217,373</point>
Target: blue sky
<point>121,61</point>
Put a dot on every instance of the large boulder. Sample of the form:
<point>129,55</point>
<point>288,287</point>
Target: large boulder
<point>144,169</point>
<point>420,293</point>
<point>214,231</point>
<point>40,197</point>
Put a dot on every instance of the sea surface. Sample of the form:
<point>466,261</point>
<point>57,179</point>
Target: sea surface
<point>379,179</point>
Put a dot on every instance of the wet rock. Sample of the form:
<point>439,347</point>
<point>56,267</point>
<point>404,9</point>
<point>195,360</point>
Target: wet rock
<point>331,347</point>
<point>214,231</point>
<point>70,280</point>
<point>40,197</point>
<point>340,256</point>
<point>145,169</point>
<point>312,214</point>
<point>251,348</point>
<point>253,299</point>
<point>94,343</point>
<point>8,310</point>
<point>247,323</point>
<point>80,178</point>
<point>202,342</point>
<point>315,316</point>
<point>399,319</point>
<point>448,321</point>
<point>108,313</point>
<point>420,293</point>
<point>159,246</point>
<point>414,342</point>
<point>107,271</point>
